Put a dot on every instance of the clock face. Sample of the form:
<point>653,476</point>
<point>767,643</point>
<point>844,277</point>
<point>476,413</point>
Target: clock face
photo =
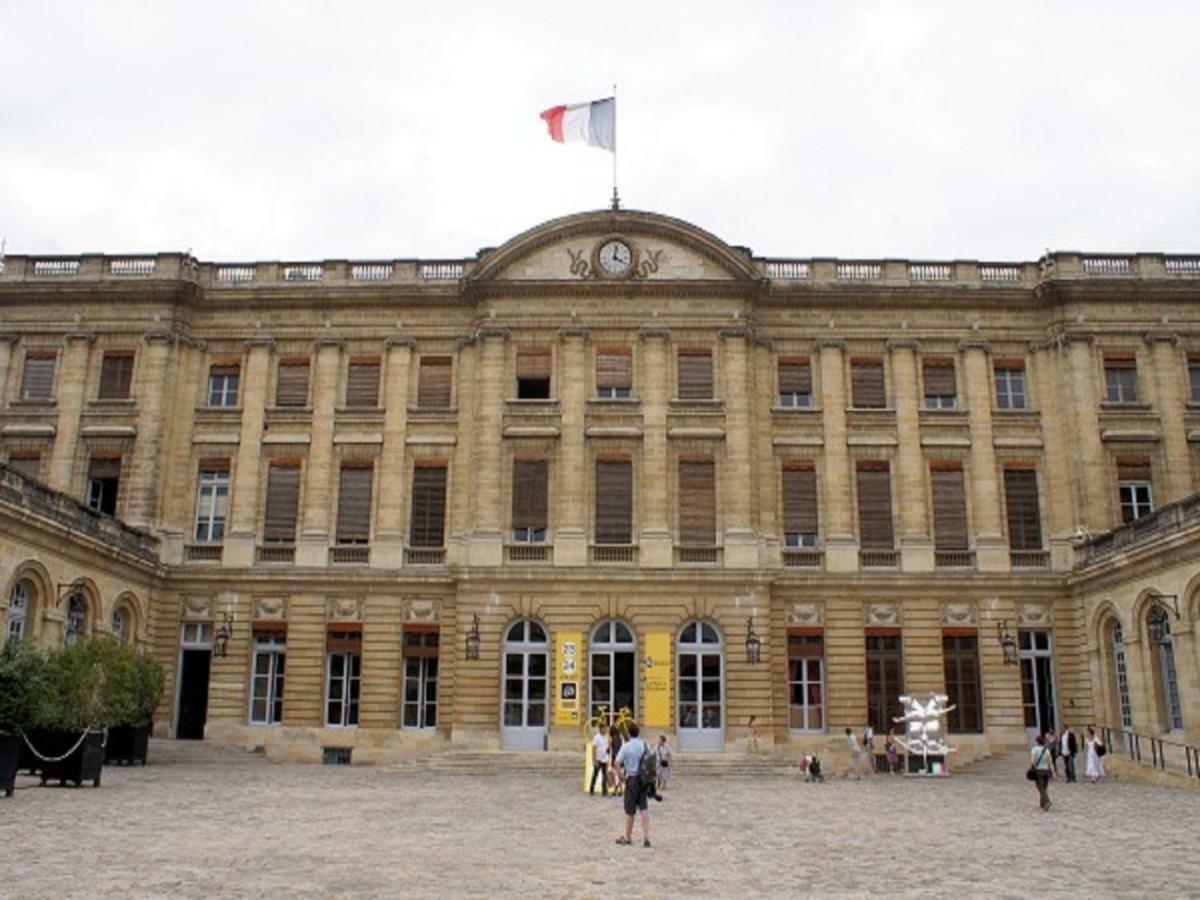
<point>615,257</point>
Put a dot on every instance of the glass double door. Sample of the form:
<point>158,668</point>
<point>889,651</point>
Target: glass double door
<point>526,700</point>
<point>701,687</point>
<point>613,682</point>
<point>1036,654</point>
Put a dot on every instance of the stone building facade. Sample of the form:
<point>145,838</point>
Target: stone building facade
<point>387,505</point>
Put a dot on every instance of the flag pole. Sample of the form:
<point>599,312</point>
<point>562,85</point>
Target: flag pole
<point>616,198</point>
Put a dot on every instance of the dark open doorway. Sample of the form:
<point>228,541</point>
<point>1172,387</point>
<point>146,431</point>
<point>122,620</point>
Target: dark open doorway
<point>193,694</point>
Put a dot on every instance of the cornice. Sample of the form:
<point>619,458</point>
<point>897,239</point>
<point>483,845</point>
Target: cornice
<point>831,344</point>
<point>975,344</point>
<point>263,342</point>
<point>912,344</point>
<point>1161,337</point>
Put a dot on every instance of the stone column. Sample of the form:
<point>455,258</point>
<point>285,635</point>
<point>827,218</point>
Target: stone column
<point>651,498</point>
<point>141,507</point>
<point>387,545</point>
<point>487,540</point>
<point>991,551</point>
<point>737,481</point>
<point>1057,495</point>
<point>1169,370</point>
<point>841,545</point>
<point>1094,489</point>
<point>70,396</point>
<point>6,345</point>
<point>570,532</point>
<point>912,514</point>
<point>312,547</point>
<point>240,538</point>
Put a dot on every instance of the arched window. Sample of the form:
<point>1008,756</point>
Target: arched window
<point>1171,708</point>
<point>525,698</point>
<point>76,624</point>
<point>19,601</point>
<point>613,669</point>
<point>120,625</point>
<point>700,687</point>
<point>1121,674</point>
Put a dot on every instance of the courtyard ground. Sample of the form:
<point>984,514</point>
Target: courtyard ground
<point>207,822</point>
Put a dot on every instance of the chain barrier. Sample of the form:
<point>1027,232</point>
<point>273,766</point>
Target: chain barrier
<point>78,744</point>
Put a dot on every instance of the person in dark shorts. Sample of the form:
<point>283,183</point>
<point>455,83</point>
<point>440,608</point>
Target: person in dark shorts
<point>636,793</point>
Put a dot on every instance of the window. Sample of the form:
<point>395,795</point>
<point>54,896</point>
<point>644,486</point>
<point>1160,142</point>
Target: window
<point>120,625</point>
<point>104,480</point>
<point>37,381</point>
<point>27,464</point>
<point>960,656</point>
<point>1120,378</point>
<point>362,383</point>
<point>419,699</point>
<point>875,507</point>
<point>799,505</point>
<point>1121,675</point>
<point>529,500</point>
<point>291,387</point>
<point>949,507</point>
<point>427,527</point>
<point>267,677</point>
<point>283,500</point>
<point>1194,379</point>
<point>533,373</point>
<point>614,501</point>
<point>697,502</point>
<point>75,625</point>
<point>354,504</point>
<point>614,373</point>
<point>695,370</point>
<point>433,382</point>
<point>885,678</point>
<point>19,601</point>
<point>1023,509</point>
<point>941,390</point>
<point>343,680</point>
<point>1010,384</point>
<point>806,682</point>
<point>795,382</point>
<point>1133,484</point>
<point>223,383</point>
<point>116,375</point>
<point>867,383</point>
<point>212,502</point>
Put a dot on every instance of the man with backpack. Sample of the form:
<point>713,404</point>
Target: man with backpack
<point>634,761</point>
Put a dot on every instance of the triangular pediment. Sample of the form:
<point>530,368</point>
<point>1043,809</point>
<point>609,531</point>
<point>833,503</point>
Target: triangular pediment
<point>659,248</point>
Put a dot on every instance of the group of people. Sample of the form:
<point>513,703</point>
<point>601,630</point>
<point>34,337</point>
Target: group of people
<point>1051,748</point>
<point>862,754</point>
<point>639,772</point>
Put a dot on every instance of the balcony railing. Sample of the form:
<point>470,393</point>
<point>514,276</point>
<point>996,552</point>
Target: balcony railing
<point>527,553</point>
<point>350,554</point>
<point>424,556</point>
<point>276,553</point>
<point>138,266</point>
<point>804,559</point>
<point>55,268</point>
<point>1171,518</point>
<point>441,271</point>
<point>206,553</point>
<point>235,274</point>
<point>954,559</point>
<point>1107,266</point>
<point>614,554</point>
<point>1029,559</point>
<point>698,556</point>
<point>879,559</point>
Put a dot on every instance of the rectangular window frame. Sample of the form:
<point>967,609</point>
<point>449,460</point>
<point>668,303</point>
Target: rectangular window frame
<point>1010,382</point>
<point>268,687</point>
<point>116,375</point>
<point>224,386</point>
<point>806,646</point>
<point>960,652</point>
<point>212,504</point>
<point>37,380</point>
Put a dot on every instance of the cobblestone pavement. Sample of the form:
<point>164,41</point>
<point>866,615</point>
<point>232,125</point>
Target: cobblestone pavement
<point>231,825</point>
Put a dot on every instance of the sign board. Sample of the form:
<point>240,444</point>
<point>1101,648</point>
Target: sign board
<point>567,646</point>
<point>656,680</point>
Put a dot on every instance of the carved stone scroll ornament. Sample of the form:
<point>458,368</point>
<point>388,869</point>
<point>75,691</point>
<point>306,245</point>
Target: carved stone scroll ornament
<point>1034,615</point>
<point>959,614</point>
<point>421,611</point>
<point>343,609</point>
<point>270,609</point>
<point>881,614</point>
<point>197,609</point>
<point>806,614</point>
<point>648,264</point>
<point>580,264</point>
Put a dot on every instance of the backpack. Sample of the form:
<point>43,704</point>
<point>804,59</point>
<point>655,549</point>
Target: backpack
<point>648,765</point>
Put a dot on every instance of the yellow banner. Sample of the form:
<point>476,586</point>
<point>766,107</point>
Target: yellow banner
<point>656,681</point>
<point>568,647</point>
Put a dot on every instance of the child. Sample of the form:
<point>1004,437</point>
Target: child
<point>893,756</point>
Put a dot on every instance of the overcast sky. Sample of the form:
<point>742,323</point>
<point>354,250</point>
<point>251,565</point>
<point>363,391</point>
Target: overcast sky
<point>261,130</point>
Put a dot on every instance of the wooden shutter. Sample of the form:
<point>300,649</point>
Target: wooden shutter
<point>362,382</point>
<point>427,526</point>
<point>938,375</point>
<point>29,465</point>
<point>104,467</point>
<point>949,508</point>
<point>291,388</point>
<point>1133,468</point>
<point>875,507</point>
<point>867,384</point>
<point>795,376</point>
<point>1120,359</point>
<point>695,375</point>
<point>697,502</point>
<point>614,501</point>
<point>529,501</point>
<point>283,499</point>
<point>533,362</point>
<point>614,368</point>
<point>433,382</point>
<point>37,382</point>
<point>354,505</point>
<point>1024,517</point>
<point>960,654</point>
<point>116,376</point>
<point>799,499</point>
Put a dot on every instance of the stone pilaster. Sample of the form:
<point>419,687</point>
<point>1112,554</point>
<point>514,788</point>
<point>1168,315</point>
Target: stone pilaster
<point>141,505</point>
<point>570,532</point>
<point>655,550</point>
<point>462,475</point>
<point>912,515</point>
<point>7,341</point>
<point>387,545</point>
<point>1093,488</point>
<point>762,431</point>
<point>312,547</point>
<point>240,538</point>
<point>1169,371</point>
<point>487,539</point>
<point>991,551</point>
<point>1057,493</point>
<point>841,547</point>
<point>70,396</point>
<point>737,481</point>
<point>176,478</point>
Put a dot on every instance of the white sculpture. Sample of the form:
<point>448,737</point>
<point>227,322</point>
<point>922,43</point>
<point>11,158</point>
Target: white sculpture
<point>923,729</point>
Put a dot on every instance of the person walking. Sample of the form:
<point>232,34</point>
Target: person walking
<point>890,751</point>
<point>629,761</point>
<point>868,743</point>
<point>1052,746</point>
<point>1040,768</point>
<point>1094,767</point>
<point>664,761</point>
<point>614,747</point>
<point>1068,749</point>
<point>600,760</point>
<point>855,768</point>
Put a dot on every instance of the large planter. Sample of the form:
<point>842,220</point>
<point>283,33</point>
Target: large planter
<point>83,763</point>
<point>10,747</point>
<point>127,744</point>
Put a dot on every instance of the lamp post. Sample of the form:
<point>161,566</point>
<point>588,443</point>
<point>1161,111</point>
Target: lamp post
<point>1008,643</point>
<point>473,638</point>
<point>1158,621</point>
<point>753,644</point>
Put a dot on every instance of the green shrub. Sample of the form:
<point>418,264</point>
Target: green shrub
<point>97,683</point>
<point>25,687</point>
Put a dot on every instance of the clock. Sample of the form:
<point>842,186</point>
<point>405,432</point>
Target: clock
<point>615,257</point>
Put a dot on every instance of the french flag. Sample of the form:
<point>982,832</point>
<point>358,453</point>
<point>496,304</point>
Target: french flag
<point>595,123</point>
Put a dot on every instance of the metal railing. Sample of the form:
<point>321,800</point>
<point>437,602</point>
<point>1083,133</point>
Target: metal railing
<point>1164,520</point>
<point>203,552</point>
<point>614,554</point>
<point>350,554</point>
<point>879,559</point>
<point>276,553</point>
<point>527,553</point>
<point>692,556</point>
<point>1029,559</point>
<point>954,559</point>
<point>1148,749</point>
<point>803,559</point>
<point>424,556</point>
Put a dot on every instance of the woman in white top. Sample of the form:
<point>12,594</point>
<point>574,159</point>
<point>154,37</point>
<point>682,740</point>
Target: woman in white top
<point>1095,765</point>
<point>1040,758</point>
